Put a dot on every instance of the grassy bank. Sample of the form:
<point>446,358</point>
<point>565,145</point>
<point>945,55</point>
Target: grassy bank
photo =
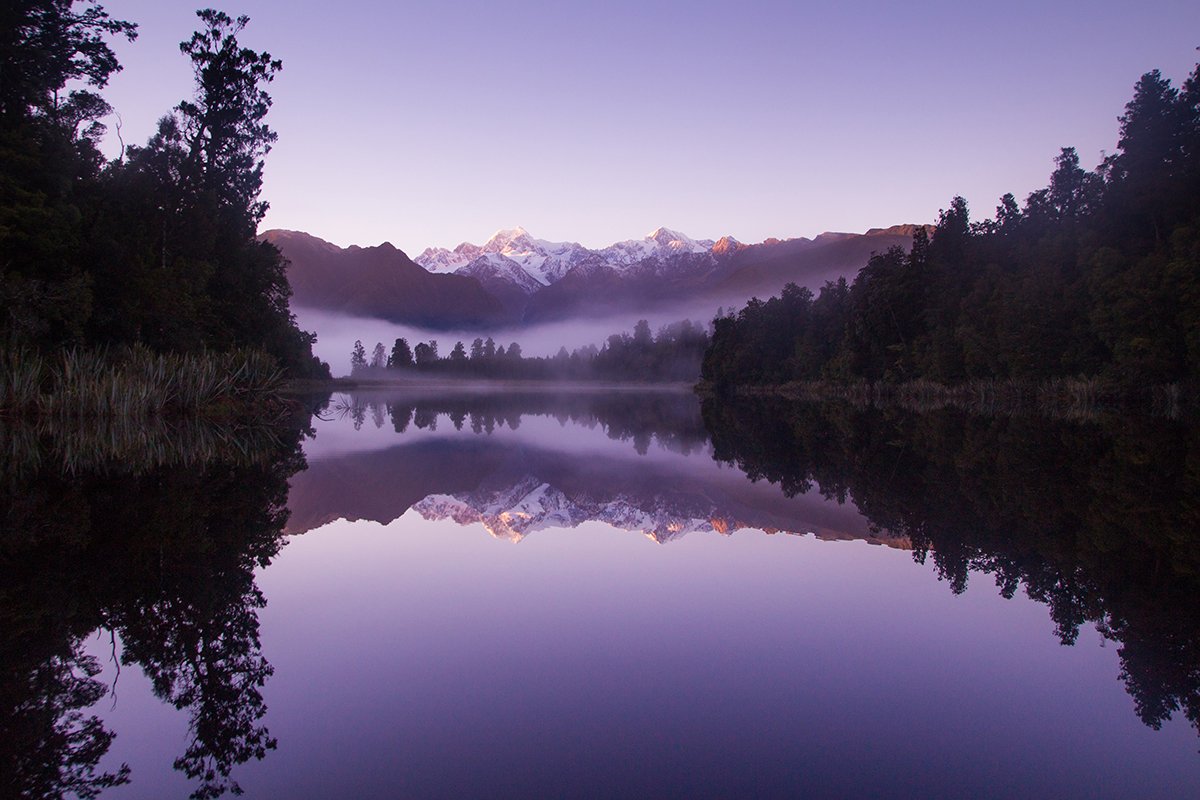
<point>136,383</point>
<point>1059,397</point>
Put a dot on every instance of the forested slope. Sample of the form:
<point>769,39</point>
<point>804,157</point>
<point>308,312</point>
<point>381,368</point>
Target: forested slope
<point>1095,276</point>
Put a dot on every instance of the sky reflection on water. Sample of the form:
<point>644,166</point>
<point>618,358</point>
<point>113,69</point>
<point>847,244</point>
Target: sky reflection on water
<point>418,657</point>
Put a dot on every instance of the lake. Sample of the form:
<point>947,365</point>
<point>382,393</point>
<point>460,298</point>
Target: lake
<point>619,593</point>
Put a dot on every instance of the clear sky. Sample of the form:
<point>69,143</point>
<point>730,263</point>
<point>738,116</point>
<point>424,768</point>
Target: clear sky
<point>433,123</point>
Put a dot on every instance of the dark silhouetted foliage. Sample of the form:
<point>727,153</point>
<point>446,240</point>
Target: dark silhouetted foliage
<point>1097,276</point>
<point>672,355</point>
<point>157,247</point>
<point>1097,520</point>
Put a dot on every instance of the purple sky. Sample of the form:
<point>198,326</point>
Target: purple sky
<point>433,123</point>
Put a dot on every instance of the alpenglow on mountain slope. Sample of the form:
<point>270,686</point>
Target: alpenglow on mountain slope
<point>515,278</point>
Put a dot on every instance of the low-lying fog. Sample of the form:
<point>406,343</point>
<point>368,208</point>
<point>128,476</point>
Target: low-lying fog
<point>336,333</point>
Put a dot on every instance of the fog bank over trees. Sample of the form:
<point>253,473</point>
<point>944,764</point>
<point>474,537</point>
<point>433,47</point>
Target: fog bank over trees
<point>336,333</point>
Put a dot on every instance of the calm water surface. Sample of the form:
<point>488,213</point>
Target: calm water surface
<point>481,596</point>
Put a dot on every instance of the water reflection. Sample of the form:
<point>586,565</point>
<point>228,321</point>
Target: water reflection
<point>668,417</point>
<point>158,540</point>
<point>517,478</point>
<point>157,548</point>
<point>1098,520</point>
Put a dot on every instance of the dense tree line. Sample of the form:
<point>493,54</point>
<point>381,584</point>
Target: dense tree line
<point>673,354</point>
<point>1096,275</point>
<point>156,247</point>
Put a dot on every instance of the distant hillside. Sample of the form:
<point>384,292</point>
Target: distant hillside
<point>379,282</point>
<point>763,269</point>
<point>514,278</point>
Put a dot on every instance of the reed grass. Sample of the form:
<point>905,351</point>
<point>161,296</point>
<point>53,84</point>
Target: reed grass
<point>130,445</point>
<point>135,383</point>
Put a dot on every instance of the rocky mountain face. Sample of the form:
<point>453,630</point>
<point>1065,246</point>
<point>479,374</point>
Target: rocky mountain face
<point>514,277</point>
<point>380,282</point>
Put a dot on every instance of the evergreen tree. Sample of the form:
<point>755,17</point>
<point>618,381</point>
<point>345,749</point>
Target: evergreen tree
<point>223,126</point>
<point>401,356</point>
<point>1095,277</point>
<point>426,354</point>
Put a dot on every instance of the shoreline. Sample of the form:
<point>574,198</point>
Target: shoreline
<point>1073,397</point>
<point>482,385</point>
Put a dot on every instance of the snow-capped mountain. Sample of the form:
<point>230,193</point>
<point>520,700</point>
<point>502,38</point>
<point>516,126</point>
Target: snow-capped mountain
<point>439,259</point>
<point>542,260</point>
<point>496,267</point>
<point>660,243</point>
<point>516,279</point>
<point>547,262</point>
<point>531,504</point>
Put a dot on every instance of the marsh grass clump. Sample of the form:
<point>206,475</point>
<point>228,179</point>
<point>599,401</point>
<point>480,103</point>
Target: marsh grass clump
<point>75,446</point>
<point>136,383</point>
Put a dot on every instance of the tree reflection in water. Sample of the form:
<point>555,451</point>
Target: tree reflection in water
<point>1098,520</point>
<point>669,417</point>
<point>161,553</point>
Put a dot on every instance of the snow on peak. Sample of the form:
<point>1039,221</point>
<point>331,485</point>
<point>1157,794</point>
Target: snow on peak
<point>669,238</point>
<point>510,233</point>
<point>658,244</point>
<point>510,240</point>
<point>498,267</point>
<point>548,261</point>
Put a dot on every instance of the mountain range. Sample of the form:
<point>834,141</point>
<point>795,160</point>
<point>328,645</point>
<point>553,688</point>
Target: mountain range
<point>515,278</point>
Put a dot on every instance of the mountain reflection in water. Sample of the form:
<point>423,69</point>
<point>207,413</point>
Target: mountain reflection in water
<point>1096,519</point>
<point>160,541</point>
<point>525,463</point>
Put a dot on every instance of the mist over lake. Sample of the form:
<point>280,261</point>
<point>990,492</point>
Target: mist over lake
<point>337,333</point>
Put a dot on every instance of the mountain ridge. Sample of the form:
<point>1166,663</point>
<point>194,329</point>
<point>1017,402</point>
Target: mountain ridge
<point>515,278</point>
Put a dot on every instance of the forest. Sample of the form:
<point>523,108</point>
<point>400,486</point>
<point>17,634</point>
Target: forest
<point>154,250</point>
<point>673,354</point>
<point>1096,277</point>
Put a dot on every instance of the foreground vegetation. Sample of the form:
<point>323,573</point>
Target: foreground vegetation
<point>1095,279</point>
<point>155,249</point>
<point>137,383</point>
<point>156,549</point>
